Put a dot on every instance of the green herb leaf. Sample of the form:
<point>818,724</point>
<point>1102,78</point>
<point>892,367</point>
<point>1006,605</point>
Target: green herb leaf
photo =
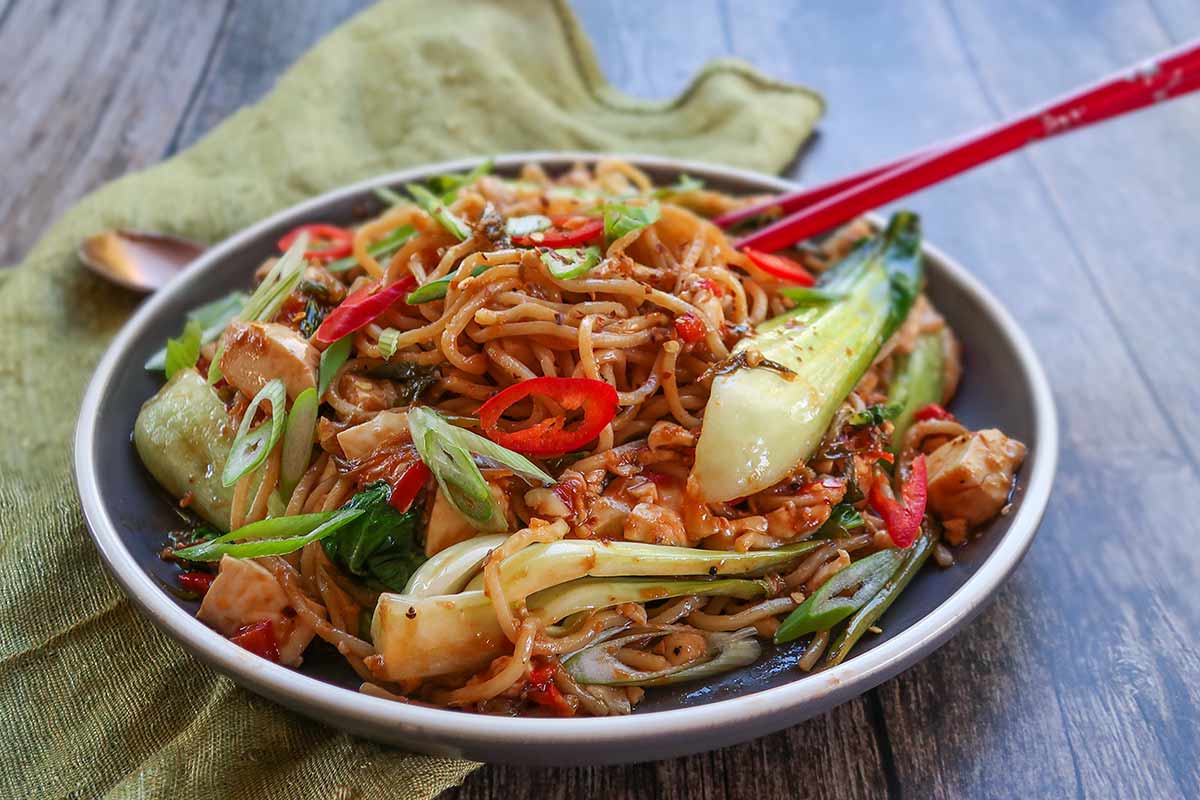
<point>389,196</point>
<point>251,447</point>
<point>314,315</point>
<point>436,290</point>
<point>686,183</point>
<point>381,545</point>
<point>276,536</point>
<point>622,218</point>
<point>388,339</point>
<point>810,295</point>
<point>843,518</point>
<point>447,451</point>
<point>184,352</point>
<point>384,247</point>
<point>213,317</point>
<point>414,379</point>
<point>523,226</point>
<point>434,207</point>
<point>332,359</point>
<point>875,415</point>
<point>571,262</point>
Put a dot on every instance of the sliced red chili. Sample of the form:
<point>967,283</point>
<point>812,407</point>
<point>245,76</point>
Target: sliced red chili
<point>325,241</point>
<point>360,309</point>
<point>903,517</point>
<point>542,690</point>
<point>932,411</point>
<point>408,485</point>
<point>198,582</point>
<point>568,231</point>
<point>551,437</point>
<point>780,267</point>
<point>259,639</point>
<point>690,328</point>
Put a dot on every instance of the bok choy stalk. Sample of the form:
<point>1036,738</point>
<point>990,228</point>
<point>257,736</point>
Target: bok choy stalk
<point>598,663</point>
<point>916,382</point>
<point>760,424</point>
<point>421,636</point>
<point>449,571</point>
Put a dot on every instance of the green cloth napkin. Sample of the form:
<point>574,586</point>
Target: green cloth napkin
<point>96,702</point>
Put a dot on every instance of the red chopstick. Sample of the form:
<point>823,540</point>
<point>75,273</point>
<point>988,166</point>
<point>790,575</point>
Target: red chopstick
<point>1161,78</point>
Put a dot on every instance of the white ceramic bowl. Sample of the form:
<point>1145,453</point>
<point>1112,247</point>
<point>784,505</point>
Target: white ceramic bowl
<point>1004,386</point>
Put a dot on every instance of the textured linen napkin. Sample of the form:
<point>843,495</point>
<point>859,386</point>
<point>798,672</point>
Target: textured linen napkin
<point>96,702</point>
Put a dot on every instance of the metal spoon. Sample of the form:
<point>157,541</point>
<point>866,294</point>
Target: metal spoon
<point>137,260</point>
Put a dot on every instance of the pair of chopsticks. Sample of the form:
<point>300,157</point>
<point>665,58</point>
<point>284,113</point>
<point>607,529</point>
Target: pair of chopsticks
<point>816,210</point>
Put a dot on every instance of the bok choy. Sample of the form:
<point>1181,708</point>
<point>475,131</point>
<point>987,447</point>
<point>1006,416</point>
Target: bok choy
<point>760,424</point>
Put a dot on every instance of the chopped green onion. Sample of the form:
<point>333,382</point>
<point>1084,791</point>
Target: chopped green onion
<point>434,207</point>
<point>810,295</point>
<point>447,451</point>
<point>686,183</point>
<point>388,340</point>
<point>570,262</point>
<point>876,414</point>
<point>389,196</point>
<point>250,448</point>
<point>436,290</point>
<point>621,219</point>
<point>276,536</point>
<point>213,317</point>
<point>298,439</point>
<point>448,185</point>
<point>523,226</point>
<point>385,246</point>
<point>332,359</point>
<point>184,352</point>
<point>840,596</point>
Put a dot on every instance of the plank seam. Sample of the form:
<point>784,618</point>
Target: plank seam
<point>201,81</point>
<point>883,744</point>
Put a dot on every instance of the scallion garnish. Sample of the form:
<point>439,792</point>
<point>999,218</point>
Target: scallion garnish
<point>276,536</point>
<point>251,447</point>
<point>213,317</point>
<point>388,340</point>
<point>436,290</point>
<point>523,226</point>
<point>433,205</point>
<point>385,246</point>
<point>184,352</point>
<point>332,359</point>
<point>298,440</point>
<point>571,262</point>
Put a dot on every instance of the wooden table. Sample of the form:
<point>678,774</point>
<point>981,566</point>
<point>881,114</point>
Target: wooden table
<point>1083,678</point>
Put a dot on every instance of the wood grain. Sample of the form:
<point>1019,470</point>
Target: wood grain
<point>97,90</point>
<point>1083,678</point>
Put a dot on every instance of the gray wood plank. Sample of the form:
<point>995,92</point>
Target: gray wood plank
<point>91,91</point>
<point>257,44</point>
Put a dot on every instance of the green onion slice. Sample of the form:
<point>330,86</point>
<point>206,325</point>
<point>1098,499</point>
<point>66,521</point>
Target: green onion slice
<point>571,262</point>
<point>332,359</point>
<point>434,207</point>
<point>271,537</point>
<point>385,246</point>
<point>388,340</point>
<point>298,439</point>
<point>447,451</point>
<point>841,595</point>
<point>623,218</point>
<point>436,290</point>
<point>251,447</point>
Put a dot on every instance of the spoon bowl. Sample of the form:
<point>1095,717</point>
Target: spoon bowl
<point>138,260</point>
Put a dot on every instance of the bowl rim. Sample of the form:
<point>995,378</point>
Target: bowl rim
<point>328,702</point>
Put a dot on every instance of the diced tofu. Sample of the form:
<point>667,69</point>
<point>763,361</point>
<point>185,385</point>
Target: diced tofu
<point>447,527</point>
<point>971,476</point>
<point>256,352</point>
<point>245,593</point>
<point>386,427</point>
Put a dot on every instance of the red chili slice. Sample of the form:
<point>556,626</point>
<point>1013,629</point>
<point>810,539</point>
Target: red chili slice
<point>360,309</point>
<point>338,242</point>
<point>259,639</point>
<point>690,328</point>
<point>932,411</point>
<point>542,690</point>
<point>903,517</point>
<point>568,231</point>
<point>781,267</point>
<point>198,582</point>
<point>406,487</point>
<point>550,437</point>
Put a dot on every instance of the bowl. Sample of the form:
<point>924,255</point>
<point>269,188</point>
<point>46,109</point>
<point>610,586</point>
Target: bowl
<point>1004,386</point>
